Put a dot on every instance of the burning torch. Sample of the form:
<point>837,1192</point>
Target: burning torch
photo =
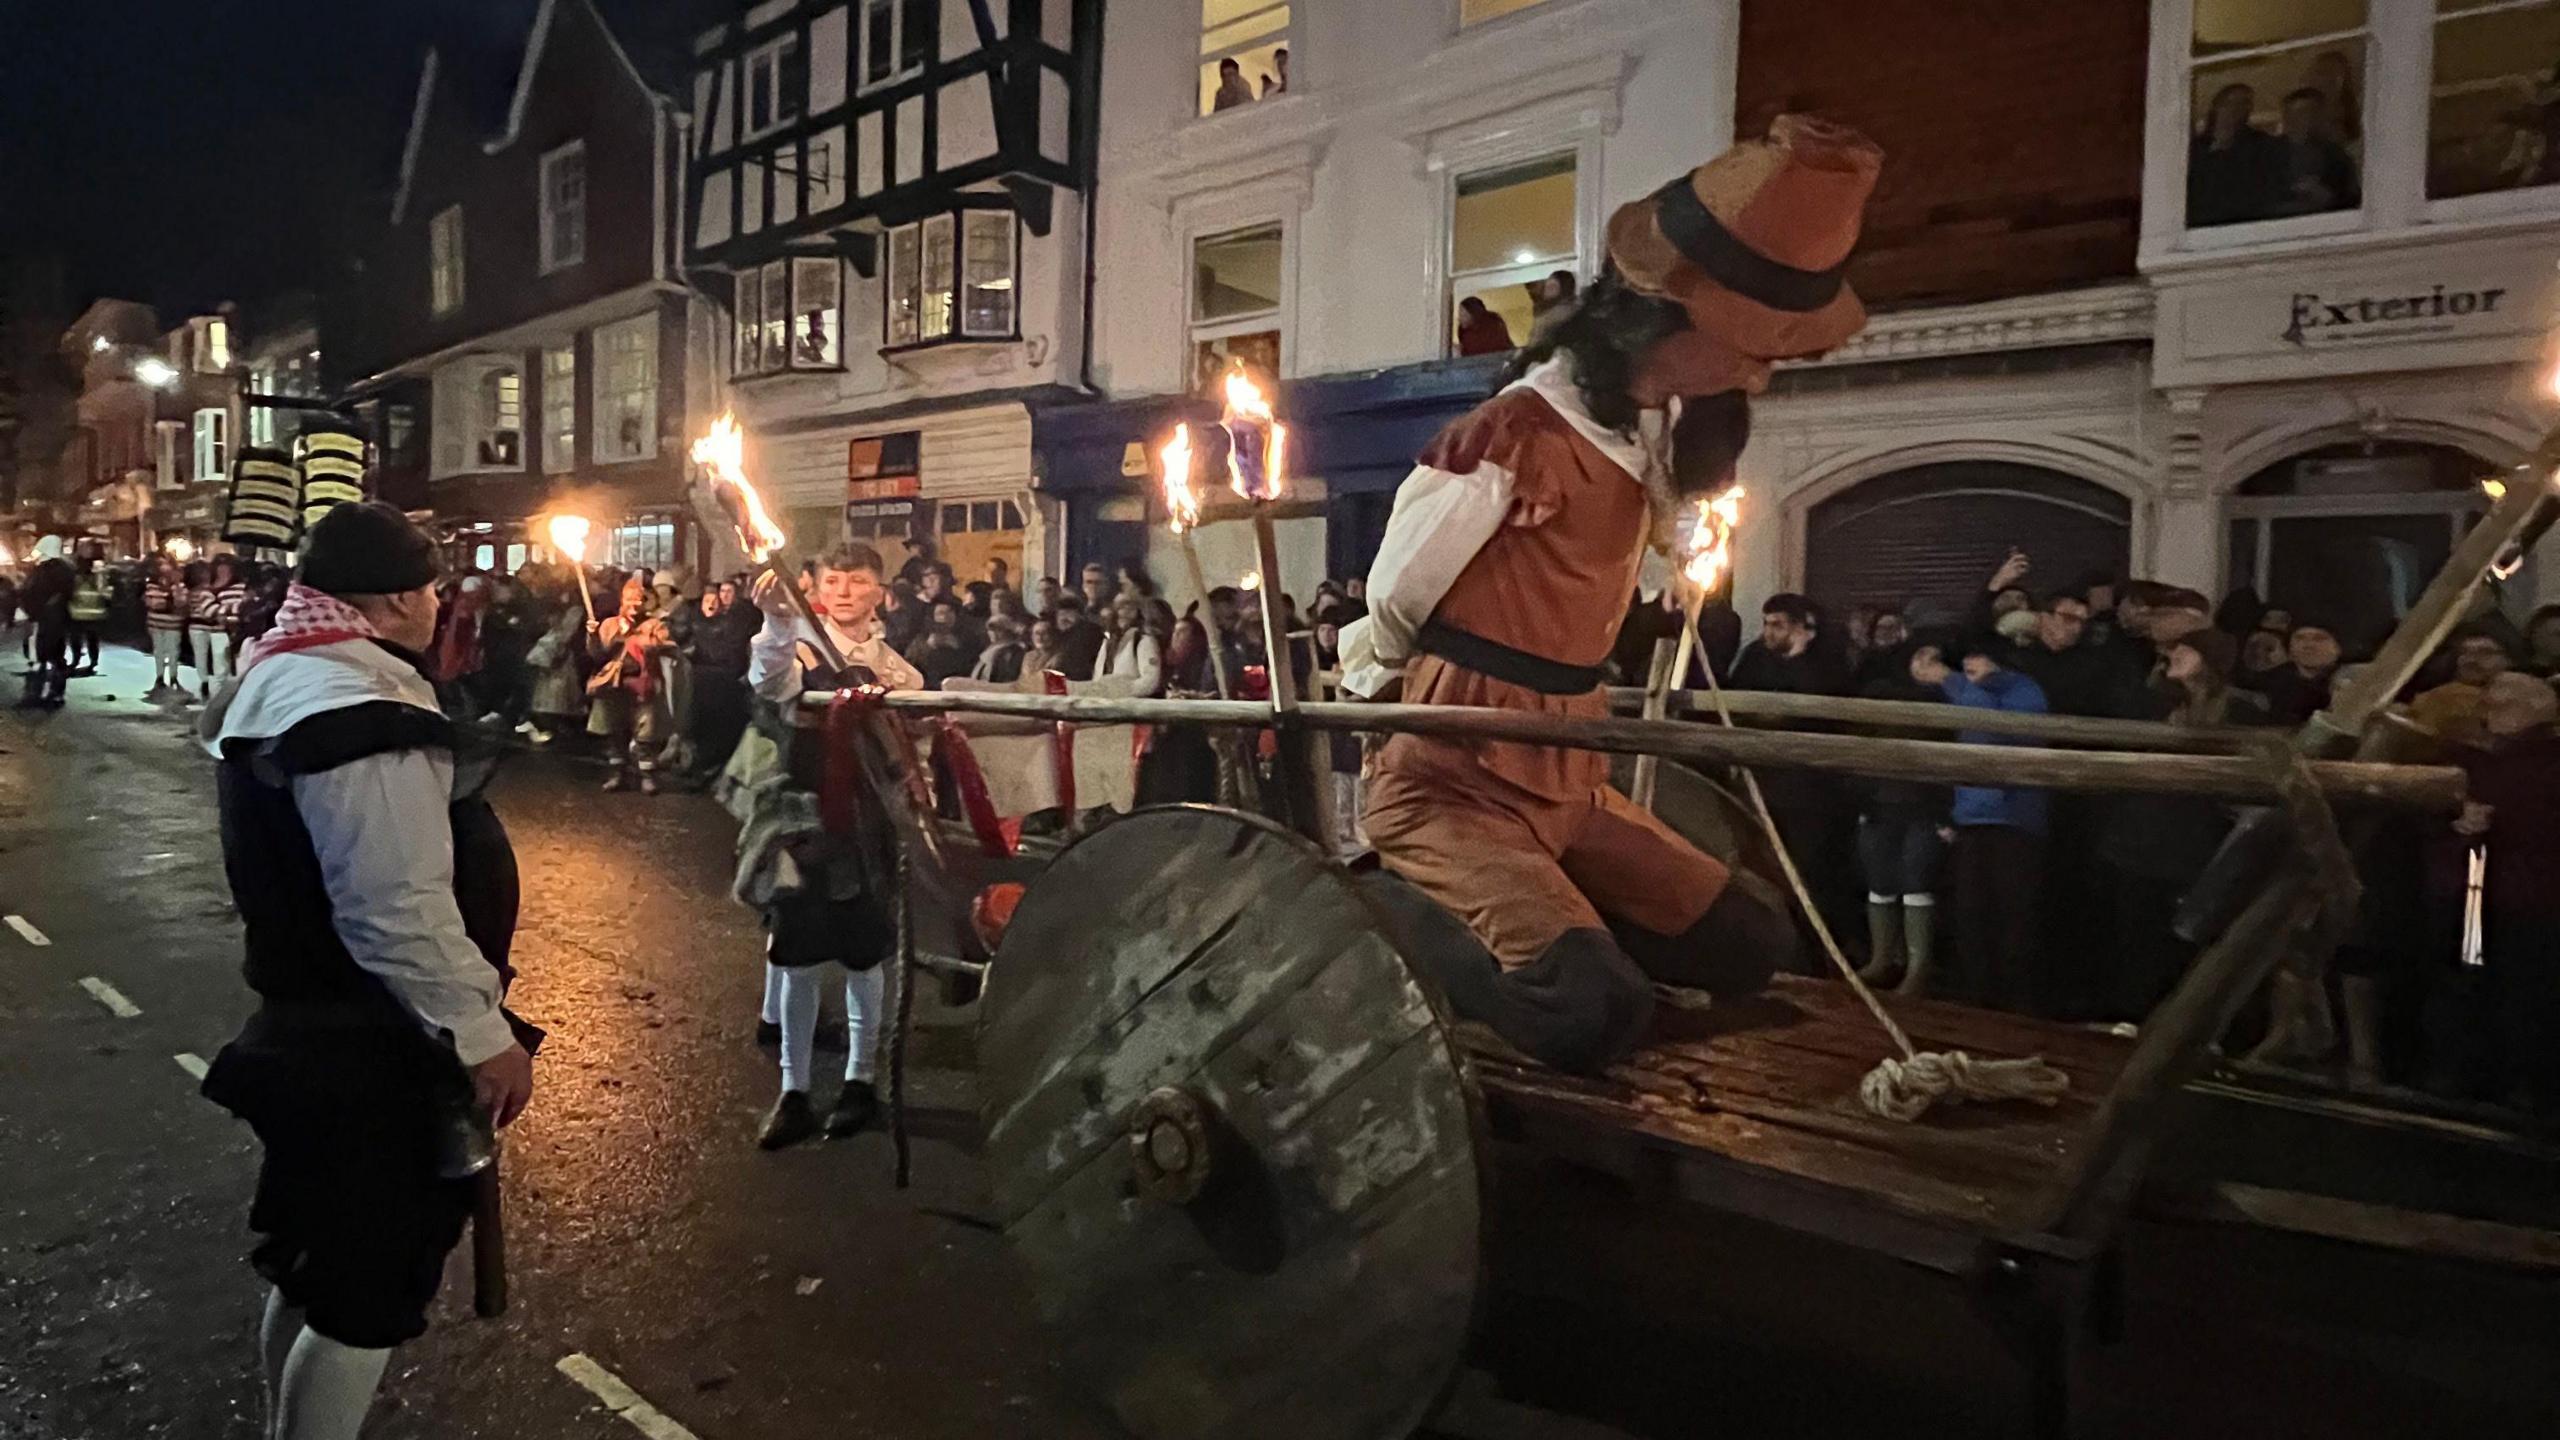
<point>722,456</point>
<point>1249,444</point>
<point>1705,545</point>
<point>569,537</point>
<point>1182,503</point>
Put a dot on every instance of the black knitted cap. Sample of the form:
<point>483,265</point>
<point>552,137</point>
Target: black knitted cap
<point>367,549</point>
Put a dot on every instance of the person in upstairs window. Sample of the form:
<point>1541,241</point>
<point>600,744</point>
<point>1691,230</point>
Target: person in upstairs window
<point>2235,171</point>
<point>1233,88</point>
<point>2319,175</point>
<point>1503,578</point>
<point>818,897</point>
<point>380,902</point>
<point>1480,331</point>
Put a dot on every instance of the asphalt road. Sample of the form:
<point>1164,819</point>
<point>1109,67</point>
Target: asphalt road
<point>738,1292</point>
<point>742,1294</point>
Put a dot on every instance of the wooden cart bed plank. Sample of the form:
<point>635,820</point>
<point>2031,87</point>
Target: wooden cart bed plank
<point>1769,1087</point>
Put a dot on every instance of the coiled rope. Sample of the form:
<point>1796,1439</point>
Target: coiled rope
<point>1897,1089</point>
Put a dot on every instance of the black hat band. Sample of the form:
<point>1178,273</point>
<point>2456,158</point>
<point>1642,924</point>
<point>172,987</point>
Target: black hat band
<point>1703,241</point>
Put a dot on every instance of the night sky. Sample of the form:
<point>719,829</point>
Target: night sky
<point>187,152</point>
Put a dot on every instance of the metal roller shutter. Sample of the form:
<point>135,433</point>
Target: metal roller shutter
<point>1935,532</point>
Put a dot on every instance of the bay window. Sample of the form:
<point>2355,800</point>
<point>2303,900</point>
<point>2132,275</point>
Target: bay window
<point>2493,113</point>
<point>790,316</point>
<point>626,390</point>
<point>479,416</point>
<point>952,277</point>
<point>560,409</point>
<point>2277,119</point>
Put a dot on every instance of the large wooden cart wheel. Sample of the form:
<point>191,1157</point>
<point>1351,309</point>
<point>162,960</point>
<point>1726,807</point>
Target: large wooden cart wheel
<point>1229,1135</point>
<point>1703,812</point>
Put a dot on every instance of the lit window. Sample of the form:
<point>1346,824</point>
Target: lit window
<point>626,382</point>
<point>560,409</point>
<point>1476,12</point>
<point>817,314</point>
<point>897,38</point>
<point>213,450</point>
<point>777,84</point>
<point>564,206</point>
<point>478,418</point>
<point>647,544</point>
<point>773,344</point>
<point>1511,236</point>
<point>749,359</point>
<point>1235,301</point>
<point>444,260</point>
<point>952,276</point>
<point>1244,53</point>
<point>2276,124</point>
<point>2493,117</point>
<point>213,346</point>
<point>262,418</point>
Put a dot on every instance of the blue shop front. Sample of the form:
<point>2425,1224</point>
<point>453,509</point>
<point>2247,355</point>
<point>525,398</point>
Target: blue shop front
<point>1352,439</point>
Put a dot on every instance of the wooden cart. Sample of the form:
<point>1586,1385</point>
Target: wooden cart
<point>1252,1166</point>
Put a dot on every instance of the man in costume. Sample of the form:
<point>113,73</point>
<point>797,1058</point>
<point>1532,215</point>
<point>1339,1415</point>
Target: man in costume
<point>627,693</point>
<point>379,910</point>
<point>1504,576</point>
<point>817,902</point>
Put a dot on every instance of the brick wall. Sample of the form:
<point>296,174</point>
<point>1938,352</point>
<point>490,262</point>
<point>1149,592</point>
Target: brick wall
<point>2012,132</point>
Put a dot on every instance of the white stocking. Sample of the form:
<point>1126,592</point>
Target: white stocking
<point>327,1388</point>
<point>862,1018</point>
<point>278,1327</point>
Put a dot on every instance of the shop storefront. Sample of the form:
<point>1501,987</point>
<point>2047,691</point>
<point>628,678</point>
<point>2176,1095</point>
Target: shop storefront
<point>952,484</point>
<point>1352,440</point>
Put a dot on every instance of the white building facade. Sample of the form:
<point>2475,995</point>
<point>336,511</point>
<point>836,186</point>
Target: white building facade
<point>2297,393</point>
<point>1323,212</point>
<point>886,196</point>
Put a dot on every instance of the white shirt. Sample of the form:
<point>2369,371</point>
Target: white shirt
<point>381,830</point>
<point>1441,519</point>
<point>777,671</point>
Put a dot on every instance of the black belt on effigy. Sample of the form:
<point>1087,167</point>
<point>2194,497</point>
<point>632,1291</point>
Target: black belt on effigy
<point>1514,667</point>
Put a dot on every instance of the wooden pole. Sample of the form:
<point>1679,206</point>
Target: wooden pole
<point>1655,706</point>
<point>1208,615</point>
<point>1275,640</point>
<point>2074,731</point>
<point>2436,789</point>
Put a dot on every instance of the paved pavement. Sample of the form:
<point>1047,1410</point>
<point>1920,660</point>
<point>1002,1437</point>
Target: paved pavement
<point>740,1294</point>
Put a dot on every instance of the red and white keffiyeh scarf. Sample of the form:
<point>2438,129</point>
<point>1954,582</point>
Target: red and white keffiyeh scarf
<point>307,620</point>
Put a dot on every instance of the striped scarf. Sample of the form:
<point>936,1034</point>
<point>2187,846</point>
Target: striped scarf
<point>307,620</point>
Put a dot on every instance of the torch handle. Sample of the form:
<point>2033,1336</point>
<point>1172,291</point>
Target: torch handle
<point>1208,619</point>
<point>585,595</point>
<point>1275,640</point>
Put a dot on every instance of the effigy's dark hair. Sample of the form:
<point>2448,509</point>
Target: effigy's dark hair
<point>1609,328</point>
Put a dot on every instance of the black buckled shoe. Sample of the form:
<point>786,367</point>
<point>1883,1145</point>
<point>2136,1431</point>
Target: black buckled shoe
<point>791,1121</point>
<point>854,1111</point>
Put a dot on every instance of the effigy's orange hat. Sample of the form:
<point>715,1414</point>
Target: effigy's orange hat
<point>1752,243</point>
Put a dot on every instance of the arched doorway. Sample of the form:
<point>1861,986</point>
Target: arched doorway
<point>1935,532</point>
<point>2348,534</point>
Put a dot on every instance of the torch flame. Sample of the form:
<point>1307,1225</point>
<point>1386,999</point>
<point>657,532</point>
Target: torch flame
<point>569,536</point>
<point>1707,550</point>
<point>180,549</point>
<point>724,453</point>
<point>1180,500</point>
<point>1256,471</point>
<point>2494,488</point>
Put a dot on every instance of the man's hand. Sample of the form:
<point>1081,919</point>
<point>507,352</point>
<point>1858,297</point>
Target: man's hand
<point>503,1084</point>
<point>2474,819</point>
<point>762,590</point>
<point>2011,571</point>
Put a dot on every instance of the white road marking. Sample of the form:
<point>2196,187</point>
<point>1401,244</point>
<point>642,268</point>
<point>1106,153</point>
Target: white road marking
<point>621,1400</point>
<point>192,1063</point>
<point>26,929</point>
<point>111,997</point>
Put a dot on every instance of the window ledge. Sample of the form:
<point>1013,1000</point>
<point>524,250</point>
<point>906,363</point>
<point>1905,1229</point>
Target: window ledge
<point>761,376</point>
<point>2166,262</point>
<point>973,357</point>
<point>897,353</point>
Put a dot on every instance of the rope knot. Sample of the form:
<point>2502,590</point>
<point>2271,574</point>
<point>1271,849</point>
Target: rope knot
<point>1905,1089</point>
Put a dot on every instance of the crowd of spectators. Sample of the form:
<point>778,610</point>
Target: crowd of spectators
<point>2061,905</point>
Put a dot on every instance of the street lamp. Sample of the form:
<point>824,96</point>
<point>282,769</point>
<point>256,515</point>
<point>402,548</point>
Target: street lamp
<point>155,372</point>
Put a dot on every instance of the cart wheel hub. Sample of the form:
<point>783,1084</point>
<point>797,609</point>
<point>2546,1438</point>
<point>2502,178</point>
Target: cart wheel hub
<point>1169,1143</point>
